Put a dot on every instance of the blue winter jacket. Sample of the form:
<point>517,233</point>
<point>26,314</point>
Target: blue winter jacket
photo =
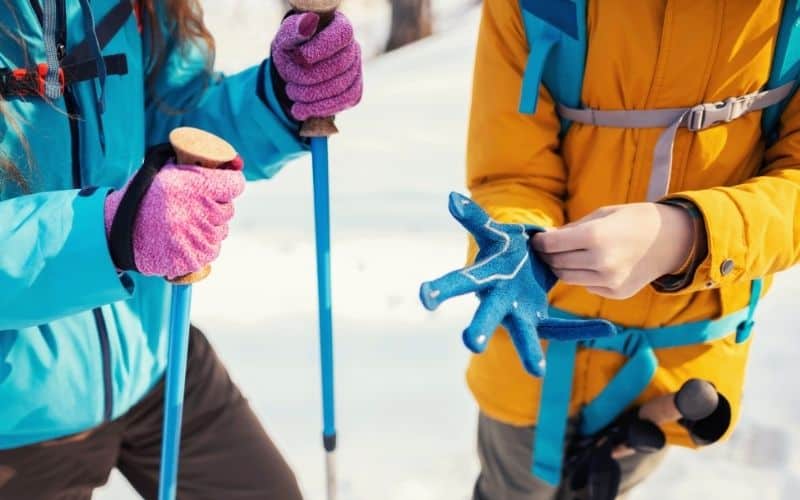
<point>80,343</point>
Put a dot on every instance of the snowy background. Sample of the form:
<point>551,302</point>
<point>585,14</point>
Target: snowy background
<point>406,421</point>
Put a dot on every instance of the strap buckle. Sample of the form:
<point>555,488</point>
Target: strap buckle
<point>25,82</point>
<point>707,115</point>
<point>743,330</point>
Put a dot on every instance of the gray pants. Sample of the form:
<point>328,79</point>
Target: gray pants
<point>506,455</point>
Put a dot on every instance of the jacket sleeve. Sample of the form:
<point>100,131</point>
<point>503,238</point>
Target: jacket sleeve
<point>240,108</point>
<point>514,169</point>
<point>753,228</point>
<point>55,259</point>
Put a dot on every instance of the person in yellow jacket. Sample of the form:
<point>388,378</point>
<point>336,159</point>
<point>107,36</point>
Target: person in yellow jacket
<point>731,213</point>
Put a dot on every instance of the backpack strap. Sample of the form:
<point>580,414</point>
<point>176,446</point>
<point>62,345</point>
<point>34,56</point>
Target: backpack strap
<point>80,64</point>
<point>556,33</point>
<point>636,344</point>
<point>785,66</point>
<point>106,28</point>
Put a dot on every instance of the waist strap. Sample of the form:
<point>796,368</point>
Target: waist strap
<point>638,345</point>
<point>695,118</point>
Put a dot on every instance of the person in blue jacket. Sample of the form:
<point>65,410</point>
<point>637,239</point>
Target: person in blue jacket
<point>85,90</point>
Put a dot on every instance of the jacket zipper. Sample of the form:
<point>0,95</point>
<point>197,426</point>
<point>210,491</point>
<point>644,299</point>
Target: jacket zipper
<point>73,113</point>
<point>105,348</point>
<point>71,104</point>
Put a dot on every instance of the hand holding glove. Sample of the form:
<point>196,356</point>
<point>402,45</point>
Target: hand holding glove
<point>511,284</point>
<point>169,220</point>
<point>616,251</point>
<point>321,70</point>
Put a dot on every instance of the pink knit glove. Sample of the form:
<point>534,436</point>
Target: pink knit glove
<point>322,71</point>
<point>182,218</point>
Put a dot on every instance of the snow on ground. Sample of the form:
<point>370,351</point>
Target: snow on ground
<point>406,421</point>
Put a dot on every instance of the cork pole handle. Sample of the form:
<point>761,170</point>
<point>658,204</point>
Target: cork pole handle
<point>198,147</point>
<point>322,126</point>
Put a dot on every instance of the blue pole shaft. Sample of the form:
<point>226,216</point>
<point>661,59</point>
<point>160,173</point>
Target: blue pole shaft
<point>176,380</point>
<point>319,159</point>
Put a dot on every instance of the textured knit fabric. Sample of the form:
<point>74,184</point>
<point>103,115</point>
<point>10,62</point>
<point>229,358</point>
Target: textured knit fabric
<point>225,453</point>
<point>512,284</point>
<point>641,55</point>
<point>182,219</point>
<point>322,72</point>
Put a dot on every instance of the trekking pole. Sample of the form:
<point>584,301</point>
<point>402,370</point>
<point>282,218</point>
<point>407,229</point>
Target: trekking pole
<point>318,130</point>
<point>697,407</point>
<point>192,147</point>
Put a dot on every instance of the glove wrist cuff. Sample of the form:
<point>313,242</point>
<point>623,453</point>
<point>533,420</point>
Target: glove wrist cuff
<point>120,237</point>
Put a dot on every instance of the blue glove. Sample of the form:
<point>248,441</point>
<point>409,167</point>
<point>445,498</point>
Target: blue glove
<point>511,283</point>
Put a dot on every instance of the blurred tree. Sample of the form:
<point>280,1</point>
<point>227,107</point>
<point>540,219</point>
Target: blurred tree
<point>411,21</point>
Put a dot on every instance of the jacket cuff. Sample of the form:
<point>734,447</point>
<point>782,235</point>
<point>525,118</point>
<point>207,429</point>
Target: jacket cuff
<point>685,274</point>
<point>264,118</point>
<point>726,249</point>
<point>70,270</point>
<point>90,245</point>
<point>272,92</point>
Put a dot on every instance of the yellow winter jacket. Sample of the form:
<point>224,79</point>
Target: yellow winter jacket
<point>641,55</point>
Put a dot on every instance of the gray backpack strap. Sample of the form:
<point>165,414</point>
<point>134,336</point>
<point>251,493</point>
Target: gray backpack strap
<point>699,117</point>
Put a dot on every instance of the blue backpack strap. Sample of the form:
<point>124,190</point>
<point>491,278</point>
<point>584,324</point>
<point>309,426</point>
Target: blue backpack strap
<point>785,66</point>
<point>556,32</point>
<point>638,345</point>
<point>744,328</point>
<point>551,428</point>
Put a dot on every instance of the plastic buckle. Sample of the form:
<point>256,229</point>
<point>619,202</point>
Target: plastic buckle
<point>24,82</point>
<point>743,330</point>
<point>707,115</point>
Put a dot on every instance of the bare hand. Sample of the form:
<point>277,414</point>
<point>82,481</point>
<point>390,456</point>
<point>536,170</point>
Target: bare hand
<point>616,251</point>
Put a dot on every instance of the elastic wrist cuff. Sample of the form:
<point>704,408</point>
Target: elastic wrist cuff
<point>120,239</point>
<point>685,274</point>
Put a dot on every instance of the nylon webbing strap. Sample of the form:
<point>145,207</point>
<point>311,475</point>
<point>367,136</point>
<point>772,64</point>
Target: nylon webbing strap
<point>52,86</point>
<point>745,328</point>
<point>638,345</point>
<point>116,64</point>
<point>695,118</point>
<point>551,427</point>
<point>109,26</point>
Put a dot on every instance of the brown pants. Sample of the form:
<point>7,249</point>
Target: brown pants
<point>225,453</point>
<point>506,453</point>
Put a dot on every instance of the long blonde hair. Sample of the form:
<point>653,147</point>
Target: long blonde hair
<point>186,26</point>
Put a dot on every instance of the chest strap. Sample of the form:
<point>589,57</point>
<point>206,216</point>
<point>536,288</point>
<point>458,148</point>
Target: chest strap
<point>695,118</point>
<point>80,64</point>
<point>638,345</point>
<point>29,82</point>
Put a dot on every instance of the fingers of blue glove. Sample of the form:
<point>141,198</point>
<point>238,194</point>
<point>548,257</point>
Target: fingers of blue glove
<point>526,340</point>
<point>575,329</point>
<point>491,311</point>
<point>452,284</point>
<point>474,219</point>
